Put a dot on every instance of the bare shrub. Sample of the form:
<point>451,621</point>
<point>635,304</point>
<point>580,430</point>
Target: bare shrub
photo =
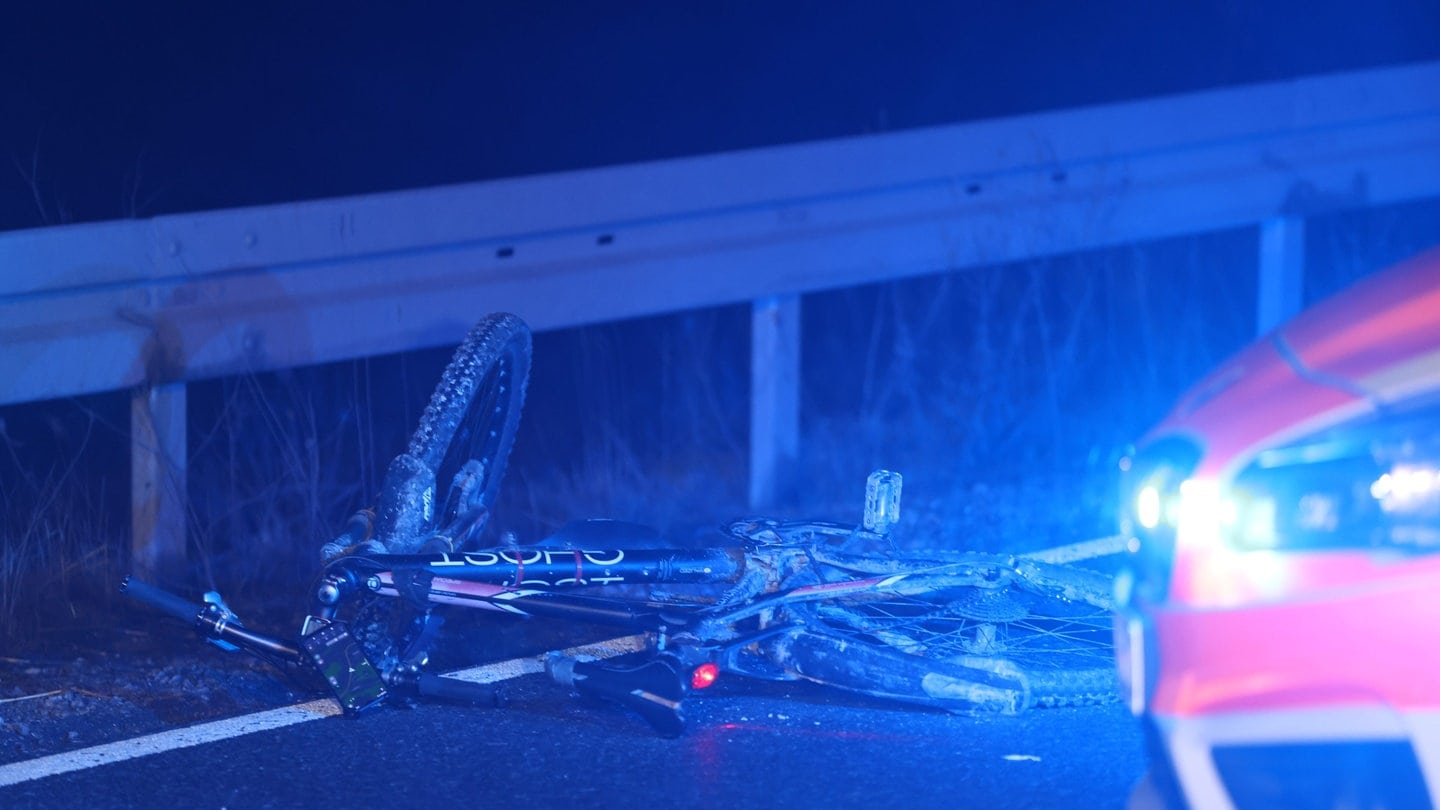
<point>58,518</point>
<point>279,460</point>
<point>641,420</point>
<point>1012,390</point>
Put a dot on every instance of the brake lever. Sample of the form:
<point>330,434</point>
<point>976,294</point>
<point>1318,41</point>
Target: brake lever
<point>217,603</point>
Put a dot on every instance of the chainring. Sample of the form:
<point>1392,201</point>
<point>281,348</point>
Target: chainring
<point>391,633</point>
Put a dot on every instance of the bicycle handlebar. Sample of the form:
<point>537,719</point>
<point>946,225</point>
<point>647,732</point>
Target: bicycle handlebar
<point>207,620</point>
<point>162,600</point>
<point>210,622</point>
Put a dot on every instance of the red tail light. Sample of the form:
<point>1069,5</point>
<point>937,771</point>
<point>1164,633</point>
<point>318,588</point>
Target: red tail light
<point>703,676</point>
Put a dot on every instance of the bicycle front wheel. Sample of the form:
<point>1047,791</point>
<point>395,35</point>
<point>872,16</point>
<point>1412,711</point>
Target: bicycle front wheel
<point>443,488</point>
<point>970,633</point>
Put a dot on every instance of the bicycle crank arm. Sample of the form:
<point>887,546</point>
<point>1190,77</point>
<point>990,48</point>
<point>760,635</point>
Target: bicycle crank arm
<point>654,689</point>
<point>450,690</point>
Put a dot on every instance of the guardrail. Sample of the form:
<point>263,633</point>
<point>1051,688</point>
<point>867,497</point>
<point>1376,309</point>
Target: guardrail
<point>148,305</point>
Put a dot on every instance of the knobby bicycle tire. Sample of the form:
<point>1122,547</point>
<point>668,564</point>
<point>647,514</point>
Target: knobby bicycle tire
<point>473,415</point>
<point>962,632</point>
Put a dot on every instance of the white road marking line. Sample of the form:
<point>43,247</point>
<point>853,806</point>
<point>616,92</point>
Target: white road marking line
<point>515,667</point>
<point>39,768</point>
<point>1080,551</point>
<point>17,772</point>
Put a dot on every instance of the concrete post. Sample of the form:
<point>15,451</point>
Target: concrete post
<point>774,397</point>
<point>157,480</point>
<point>1282,271</point>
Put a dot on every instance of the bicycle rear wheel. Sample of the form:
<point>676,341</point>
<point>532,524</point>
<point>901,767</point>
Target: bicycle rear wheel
<point>969,633</point>
<point>461,445</point>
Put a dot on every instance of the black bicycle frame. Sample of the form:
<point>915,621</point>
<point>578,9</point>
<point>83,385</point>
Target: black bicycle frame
<point>561,567</point>
<point>522,581</point>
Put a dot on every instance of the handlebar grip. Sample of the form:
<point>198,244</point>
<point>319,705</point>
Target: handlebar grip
<point>457,691</point>
<point>162,600</point>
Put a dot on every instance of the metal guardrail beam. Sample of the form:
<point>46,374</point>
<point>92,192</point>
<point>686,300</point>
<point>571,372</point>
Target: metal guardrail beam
<point>113,305</point>
<point>147,305</point>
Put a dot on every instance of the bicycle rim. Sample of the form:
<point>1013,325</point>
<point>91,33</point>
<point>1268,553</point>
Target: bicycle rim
<point>971,633</point>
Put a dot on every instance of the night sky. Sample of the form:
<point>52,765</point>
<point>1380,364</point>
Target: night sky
<point>114,110</point>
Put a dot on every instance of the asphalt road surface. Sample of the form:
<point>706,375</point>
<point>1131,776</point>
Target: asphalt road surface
<point>750,744</point>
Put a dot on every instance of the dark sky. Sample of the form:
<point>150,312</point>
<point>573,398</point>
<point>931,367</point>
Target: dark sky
<point>112,110</point>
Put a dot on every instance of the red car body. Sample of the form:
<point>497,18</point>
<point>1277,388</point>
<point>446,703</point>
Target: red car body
<point>1279,628</point>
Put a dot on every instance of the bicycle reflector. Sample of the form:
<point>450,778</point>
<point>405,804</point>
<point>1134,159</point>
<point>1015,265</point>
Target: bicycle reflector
<point>704,676</point>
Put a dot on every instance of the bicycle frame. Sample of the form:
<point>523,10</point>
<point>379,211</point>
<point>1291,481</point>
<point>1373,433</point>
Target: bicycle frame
<point>563,567</point>
<point>760,625</point>
<point>532,581</point>
<point>691,644</point>
<point>794,604</point>
<point>777,616</point>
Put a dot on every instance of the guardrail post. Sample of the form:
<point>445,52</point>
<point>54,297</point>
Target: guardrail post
<point>1282,271</point>
<point>774,397</point>
<point>157,479</point>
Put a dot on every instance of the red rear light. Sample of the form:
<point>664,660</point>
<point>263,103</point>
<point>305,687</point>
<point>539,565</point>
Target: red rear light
<point>703,676</point>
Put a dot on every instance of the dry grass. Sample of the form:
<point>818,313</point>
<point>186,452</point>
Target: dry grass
<point>641,421</point>
<point>58,521</point>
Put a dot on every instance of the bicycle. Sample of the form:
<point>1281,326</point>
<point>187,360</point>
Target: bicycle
<point>827,602</point>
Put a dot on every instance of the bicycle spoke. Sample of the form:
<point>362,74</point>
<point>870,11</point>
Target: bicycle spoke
<point>964,623</point>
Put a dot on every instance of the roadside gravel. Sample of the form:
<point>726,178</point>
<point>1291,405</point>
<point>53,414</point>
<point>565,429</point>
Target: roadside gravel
<point>69,690</point>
